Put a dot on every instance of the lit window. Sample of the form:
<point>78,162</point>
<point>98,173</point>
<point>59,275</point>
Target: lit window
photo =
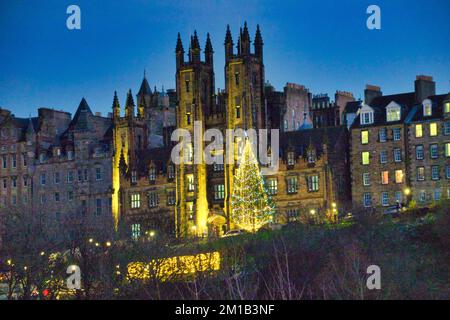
<point>419,131</point>
<point>135,231</point>
<point>135,201</point>
<point>313,183</point>
<point>397,155</point>
<point>435,173</point>
<point>219,192</point>
<point>383,156</point>
<point>292,185</point>
<point>366,179</point>
<point>171,171</point>
<point>384,199</point>
<point>419,152</point>
<point>420,174</point>
<point>447,149</point>
<point>190,182</point>
<point>365,157</point>
<point>447,107</point>
<point>365,137</point>
<point>367,200</point>
<point>398,176</point>
<point>382,135</point>
<point>384,177</point>
<point>272,186</point>
<point>189,153</point>
<point>433,129</point>
<point>393,114</point>
<point>427,108</point>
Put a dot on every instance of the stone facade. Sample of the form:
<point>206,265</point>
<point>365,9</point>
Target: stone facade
<point>391,164</point>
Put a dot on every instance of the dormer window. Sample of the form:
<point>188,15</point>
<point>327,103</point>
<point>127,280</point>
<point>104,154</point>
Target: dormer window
<point>447,107</point>
<point>427,107</point>
<point>367,118</point>
<point>311,155</point>
<point>393,112</point>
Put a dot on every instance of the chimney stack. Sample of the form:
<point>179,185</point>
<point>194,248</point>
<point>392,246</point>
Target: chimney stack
<point>424,86</point>
<point>371,92</point>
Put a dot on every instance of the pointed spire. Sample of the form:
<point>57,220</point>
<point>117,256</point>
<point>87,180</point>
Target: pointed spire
<point>228,38</point>
<point>179,47</point>
<point>228,44</point>
<point>145,87</point>
<point>258,43</point>
<point>245,40</point>
<point>195,43</point>
<point>208,50</point>
<point>179,51</point>
<point>245,34</point>
<point>116,106</point>
<point>129,105</point>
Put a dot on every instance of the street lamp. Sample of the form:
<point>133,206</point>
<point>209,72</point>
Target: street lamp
<point>108,244</point>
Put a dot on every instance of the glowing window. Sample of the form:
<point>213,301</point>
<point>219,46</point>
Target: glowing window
<point>135,201</point>
<point>419,131</point>
<point>420,173</point>
<point>433,129</point>
<point>447,149</point>
<point>365,157</point>
<point>447,107</point>
<point>398,176</point>
<point>384,177</point>
<point>190,182</point>
<point>365,137</point>
<point>393,114</point>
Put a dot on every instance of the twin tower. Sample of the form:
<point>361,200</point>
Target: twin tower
<point>204,193</point>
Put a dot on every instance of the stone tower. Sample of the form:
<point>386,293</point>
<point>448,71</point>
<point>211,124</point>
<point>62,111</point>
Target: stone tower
<point>195,101</point>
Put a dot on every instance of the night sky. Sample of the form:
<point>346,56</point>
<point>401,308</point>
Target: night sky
<point>323,45</point>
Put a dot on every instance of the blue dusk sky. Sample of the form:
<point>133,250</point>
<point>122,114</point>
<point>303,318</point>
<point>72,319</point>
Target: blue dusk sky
<point>323,45</point>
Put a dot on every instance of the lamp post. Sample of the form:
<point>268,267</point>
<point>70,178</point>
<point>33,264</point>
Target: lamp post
<point>407,193</point>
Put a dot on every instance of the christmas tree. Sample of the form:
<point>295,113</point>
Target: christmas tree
<point>251,206</point>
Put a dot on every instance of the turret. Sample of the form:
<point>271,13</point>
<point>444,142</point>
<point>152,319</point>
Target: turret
<point>209,52</point>
<point>228,45</point>
<point>116,107</point>
<point>179,51</point>
<point>245,41</point>
<point>258,44</point>
<point>195,49</point>
<point>129,106</point>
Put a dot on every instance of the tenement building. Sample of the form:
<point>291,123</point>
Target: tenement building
<point>388,162</point>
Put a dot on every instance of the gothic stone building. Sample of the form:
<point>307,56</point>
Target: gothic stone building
<point>152,193</point>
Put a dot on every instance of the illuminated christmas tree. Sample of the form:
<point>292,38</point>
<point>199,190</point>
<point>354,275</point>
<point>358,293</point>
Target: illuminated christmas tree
<point>251,205</point>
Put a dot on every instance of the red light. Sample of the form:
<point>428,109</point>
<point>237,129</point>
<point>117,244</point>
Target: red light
<point>45,292</point>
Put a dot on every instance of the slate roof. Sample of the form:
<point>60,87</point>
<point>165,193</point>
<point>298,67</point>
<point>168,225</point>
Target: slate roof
<point>300,140</point>
<point>352,106</point>
<point>145,88</point>
<point>80,121</point>
<point>437,109</point>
